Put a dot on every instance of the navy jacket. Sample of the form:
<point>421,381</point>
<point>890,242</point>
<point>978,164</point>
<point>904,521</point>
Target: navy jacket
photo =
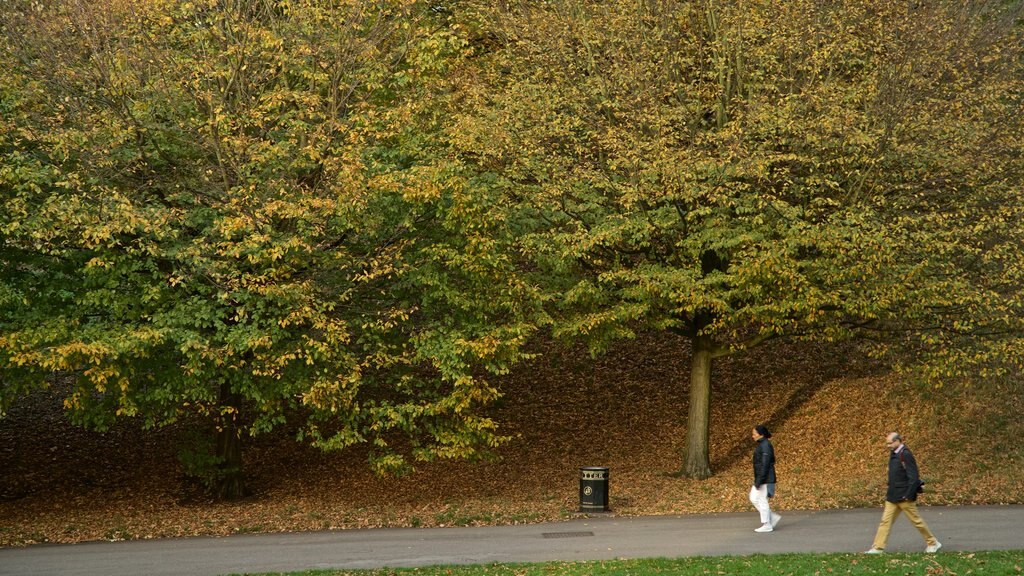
<point>764,463</point>
<point>903,476</point>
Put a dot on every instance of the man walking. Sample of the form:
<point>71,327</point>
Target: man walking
<point>904,484</point>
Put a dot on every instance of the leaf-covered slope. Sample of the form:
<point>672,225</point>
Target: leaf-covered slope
<point>829,409</point>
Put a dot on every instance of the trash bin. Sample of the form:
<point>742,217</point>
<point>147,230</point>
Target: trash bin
<point>593,489</point>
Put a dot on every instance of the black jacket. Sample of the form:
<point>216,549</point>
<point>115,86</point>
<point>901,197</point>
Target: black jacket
<point>764,463</point>
<point>903,476</point>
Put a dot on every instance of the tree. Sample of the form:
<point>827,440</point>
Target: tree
<point>221,209</point>
<point>739,171</point>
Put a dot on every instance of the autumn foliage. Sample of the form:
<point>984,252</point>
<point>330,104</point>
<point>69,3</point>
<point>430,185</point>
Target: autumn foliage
<point>220,209</point>
<point>347,219</point>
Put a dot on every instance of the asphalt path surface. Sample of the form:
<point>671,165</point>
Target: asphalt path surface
<point>599,537</point>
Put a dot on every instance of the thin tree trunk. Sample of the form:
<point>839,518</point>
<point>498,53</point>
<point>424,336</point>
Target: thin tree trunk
<point>230,482</point>
<point>698,463</point>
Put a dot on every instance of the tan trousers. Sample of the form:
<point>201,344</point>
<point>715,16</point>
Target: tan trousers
<point>890,514</point>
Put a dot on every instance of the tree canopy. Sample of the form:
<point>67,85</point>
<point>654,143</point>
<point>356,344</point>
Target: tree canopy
<point>357,212</point>
<point>740,171</point>
<point>219,208</point>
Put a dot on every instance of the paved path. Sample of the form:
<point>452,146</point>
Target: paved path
<point>595,538</point>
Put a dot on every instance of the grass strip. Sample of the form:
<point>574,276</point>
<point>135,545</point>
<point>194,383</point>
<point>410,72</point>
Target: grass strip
<point>996,563</point>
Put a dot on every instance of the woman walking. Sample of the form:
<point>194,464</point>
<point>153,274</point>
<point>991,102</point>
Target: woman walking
<point>764,478</point>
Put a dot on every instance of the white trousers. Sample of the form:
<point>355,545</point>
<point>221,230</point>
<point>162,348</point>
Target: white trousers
<point>759,498</point>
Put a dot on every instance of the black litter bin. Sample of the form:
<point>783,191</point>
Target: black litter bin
<point>593,489</point>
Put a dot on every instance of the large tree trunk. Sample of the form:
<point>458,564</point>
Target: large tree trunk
<point>698,463</point>
<point>230,482</point>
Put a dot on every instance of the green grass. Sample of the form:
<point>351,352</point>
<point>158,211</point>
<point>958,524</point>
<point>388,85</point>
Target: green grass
<point>946,564</point>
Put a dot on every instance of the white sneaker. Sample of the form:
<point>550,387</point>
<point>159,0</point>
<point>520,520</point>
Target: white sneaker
<point>935,548</point>
<point>875,551</point>
<point>766,527</point>
<point>775,519</point>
